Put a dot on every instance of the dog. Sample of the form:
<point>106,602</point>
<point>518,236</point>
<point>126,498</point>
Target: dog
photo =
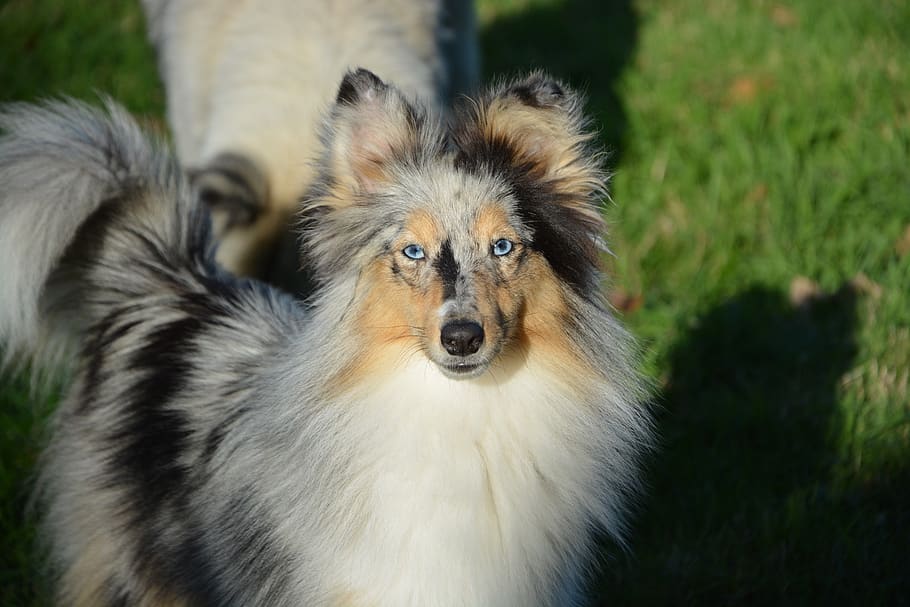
<point>248,82</point>
<point>452,420</point>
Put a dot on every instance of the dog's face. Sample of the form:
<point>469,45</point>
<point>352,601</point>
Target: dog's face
<point>455,272</point>
<point>465,240</point>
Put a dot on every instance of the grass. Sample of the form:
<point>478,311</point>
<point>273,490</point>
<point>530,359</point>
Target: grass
<point>759,148</point>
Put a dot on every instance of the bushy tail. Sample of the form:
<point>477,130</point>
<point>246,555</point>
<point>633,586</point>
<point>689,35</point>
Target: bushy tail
<point>68,173</point>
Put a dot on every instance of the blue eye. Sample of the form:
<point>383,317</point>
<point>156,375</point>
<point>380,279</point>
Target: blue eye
<point>502,247</point>
<point>413,251</point>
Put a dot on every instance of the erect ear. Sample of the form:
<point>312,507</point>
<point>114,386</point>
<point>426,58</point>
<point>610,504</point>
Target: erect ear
<point>539,125</point>
<point>370,126</point>
<point>533,133</point>
<point>369,133</point>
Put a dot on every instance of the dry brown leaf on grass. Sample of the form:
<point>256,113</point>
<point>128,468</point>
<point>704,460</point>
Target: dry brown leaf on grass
<point>783,16</point>
<point>757,193</point>
<point>745,89</point>
<point>902,246</point>
<point>804,291</point>
<point>625,302</point>
<point>863,285</point>
<point>742,90</point>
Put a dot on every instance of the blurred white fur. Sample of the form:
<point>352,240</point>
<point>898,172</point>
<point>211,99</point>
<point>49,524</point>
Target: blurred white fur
<point>247,83</point>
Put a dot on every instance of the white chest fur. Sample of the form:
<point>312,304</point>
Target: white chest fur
<point>475,492</point>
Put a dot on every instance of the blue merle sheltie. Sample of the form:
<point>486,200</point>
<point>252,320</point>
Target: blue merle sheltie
<point>452,419</point>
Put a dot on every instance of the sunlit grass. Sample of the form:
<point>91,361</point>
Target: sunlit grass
<point>757,146</point>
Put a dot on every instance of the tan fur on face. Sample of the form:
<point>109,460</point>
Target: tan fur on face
<point>398,309</point>
<point>491,222</point>
<point>389,323</point>
<point>398,316</point>
<point>423,229</point>
<point>532,299</point>
<point>382,328</point>
<point>543,320</point>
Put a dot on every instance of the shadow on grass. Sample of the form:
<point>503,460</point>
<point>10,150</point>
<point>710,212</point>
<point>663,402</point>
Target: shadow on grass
<point>744,507</point>
<point>585,42</point>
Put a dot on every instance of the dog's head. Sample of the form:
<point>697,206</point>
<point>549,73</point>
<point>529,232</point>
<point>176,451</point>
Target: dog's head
<point>468,241</point>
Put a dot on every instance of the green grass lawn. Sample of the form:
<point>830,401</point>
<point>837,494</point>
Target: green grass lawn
<point>761,231</point>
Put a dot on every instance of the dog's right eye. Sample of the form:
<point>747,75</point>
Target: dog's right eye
<point>413,251</point>
<point>502,247</point>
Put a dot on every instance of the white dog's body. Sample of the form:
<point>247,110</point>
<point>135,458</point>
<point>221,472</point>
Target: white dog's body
<point>252,79</point>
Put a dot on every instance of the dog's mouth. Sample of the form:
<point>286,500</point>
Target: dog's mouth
<point>463,369</point>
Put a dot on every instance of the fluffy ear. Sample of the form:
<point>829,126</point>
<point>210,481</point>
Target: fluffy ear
<point>370,126</point>
<point>369,133</point>
<point>540,122</point>
<point>533,133</point>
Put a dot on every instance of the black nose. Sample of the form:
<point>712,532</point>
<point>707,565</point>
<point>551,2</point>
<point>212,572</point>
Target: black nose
<point>461,338</point>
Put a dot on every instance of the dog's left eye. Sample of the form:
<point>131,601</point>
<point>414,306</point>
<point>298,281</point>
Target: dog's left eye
<point>413,251</point>
<point>502,247</point>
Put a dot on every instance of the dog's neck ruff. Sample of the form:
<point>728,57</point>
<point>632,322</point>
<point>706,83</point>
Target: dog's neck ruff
<point>482,490</point>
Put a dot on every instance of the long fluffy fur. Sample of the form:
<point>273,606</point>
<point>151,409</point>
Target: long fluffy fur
<point>57,167</point>
<point>222,445</point>
<point>248,82</point>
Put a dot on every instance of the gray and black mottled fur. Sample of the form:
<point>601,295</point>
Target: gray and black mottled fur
<point>221,445</point>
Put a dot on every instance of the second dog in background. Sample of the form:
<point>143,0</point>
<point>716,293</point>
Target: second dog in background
<point>247,83</point>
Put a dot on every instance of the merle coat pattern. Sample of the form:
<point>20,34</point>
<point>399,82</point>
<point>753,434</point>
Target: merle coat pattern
<point>448,422</point>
